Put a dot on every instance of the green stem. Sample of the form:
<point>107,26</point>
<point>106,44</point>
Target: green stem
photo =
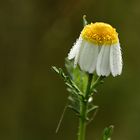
<point>82,122</point>
<point>83,111</point>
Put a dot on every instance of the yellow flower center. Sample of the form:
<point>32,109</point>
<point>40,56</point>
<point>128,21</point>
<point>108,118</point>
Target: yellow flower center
<point>100,33</point>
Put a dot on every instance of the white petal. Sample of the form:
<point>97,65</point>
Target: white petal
<point>76,59</point>
<point>103,65</point>
<point>75,49</point>
<point>94,59</point>
<point>115,60</point>
<point>88,57</point>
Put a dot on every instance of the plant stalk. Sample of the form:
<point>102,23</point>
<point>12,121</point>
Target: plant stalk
<point>83,110</point>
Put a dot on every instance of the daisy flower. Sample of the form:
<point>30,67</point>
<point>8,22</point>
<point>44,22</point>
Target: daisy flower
<point>98,50</point>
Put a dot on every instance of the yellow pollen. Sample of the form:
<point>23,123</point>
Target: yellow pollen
<point>100,33</point>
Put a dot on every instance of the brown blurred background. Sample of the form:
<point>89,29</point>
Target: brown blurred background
<point>36,34</point>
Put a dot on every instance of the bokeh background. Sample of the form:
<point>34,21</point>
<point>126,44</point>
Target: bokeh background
<point>36,34</point>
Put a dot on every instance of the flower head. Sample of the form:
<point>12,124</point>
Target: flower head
<point>98,49</point>
<point>100,33</point>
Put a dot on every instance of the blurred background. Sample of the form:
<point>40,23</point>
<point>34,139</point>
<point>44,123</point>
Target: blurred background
<point>36,34</point>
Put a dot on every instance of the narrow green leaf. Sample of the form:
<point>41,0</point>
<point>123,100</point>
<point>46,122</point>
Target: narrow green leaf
<point>55,69</point>
<point>108,132</point>
<point>94,107</point>
<point>61,118</point>
<point>68,81</point>
<point>97,82</point>
<point>74,102</point>
<point>74,109</point>
<point>93,115</point>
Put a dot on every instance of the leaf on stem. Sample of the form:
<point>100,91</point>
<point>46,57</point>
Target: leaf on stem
<point>75,93</point>
<point>74,103</point>
<point>93,108</point>
<point>79,77</point>
<point>68,81</point>
<point>97,81</point>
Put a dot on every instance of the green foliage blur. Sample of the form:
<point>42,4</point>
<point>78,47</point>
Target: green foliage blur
<point>36,34</point>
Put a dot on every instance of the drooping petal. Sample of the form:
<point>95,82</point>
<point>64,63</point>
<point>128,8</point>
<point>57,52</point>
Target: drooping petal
<point>94,59</point>
<point>115,60</point>
<point>88,57</point>
<point>75,49</point>
<point>81,44</point>
<point>103,65</point>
